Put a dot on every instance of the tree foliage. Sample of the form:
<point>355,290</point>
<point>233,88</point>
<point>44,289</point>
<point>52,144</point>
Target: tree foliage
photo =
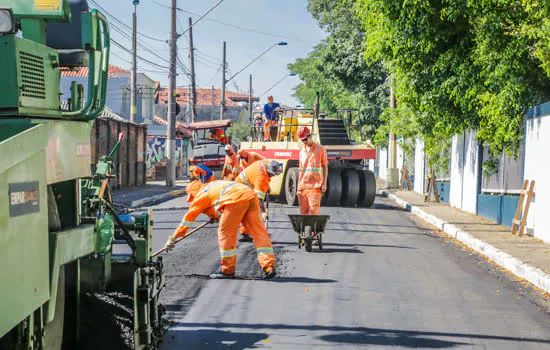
<point>337,69</point>
<point>461,65</point>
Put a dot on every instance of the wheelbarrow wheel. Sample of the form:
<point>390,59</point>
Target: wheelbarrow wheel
<point>308,244</point>
<point>320,241</point>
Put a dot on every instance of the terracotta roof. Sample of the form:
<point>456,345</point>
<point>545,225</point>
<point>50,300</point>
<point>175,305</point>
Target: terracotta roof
<point>179,126</point>
<point>209,124</point>
<point>83,71</point>
<point>204,97</point>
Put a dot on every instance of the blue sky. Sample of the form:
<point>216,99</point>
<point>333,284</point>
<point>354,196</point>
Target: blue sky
<point>265,22</point>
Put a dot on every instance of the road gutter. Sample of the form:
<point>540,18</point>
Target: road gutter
<point>534,275</point>
<point>157,198</point>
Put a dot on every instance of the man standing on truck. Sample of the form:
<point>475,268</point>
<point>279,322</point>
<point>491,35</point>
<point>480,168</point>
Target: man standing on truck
<point>231,164</point>
<point>270,117</point>
<point>231,203</point>
<point>313,168</point>
<point>257,177</point>
<point>248,158</point>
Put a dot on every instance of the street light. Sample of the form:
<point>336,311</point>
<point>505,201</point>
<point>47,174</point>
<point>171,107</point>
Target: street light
<point>282,43</point>
<point>277,83</point>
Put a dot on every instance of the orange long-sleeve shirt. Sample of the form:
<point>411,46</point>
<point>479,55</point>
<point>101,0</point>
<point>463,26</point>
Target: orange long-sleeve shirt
<point>252,157</point>
<point>312,160</point>
<point>231,167</point>
<point>255,177</point>
<point>211,200</point>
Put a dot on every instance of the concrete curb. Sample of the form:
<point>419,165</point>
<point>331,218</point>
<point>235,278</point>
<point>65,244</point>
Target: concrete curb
<point>536,276</point>
<point>156,198</point>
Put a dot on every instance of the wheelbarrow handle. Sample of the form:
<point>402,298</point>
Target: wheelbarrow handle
<point>182,238</point>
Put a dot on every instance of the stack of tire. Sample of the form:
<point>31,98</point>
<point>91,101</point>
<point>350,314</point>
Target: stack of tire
<point>346,187</point>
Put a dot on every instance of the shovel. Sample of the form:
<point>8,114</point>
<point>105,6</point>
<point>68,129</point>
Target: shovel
<point>181,238</point>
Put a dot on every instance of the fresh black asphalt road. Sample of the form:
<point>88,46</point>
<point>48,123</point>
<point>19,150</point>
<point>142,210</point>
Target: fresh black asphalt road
<point>383,281</point>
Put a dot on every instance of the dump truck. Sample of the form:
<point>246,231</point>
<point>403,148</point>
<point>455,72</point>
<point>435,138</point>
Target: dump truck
<point>61,236</point>
<point>349,181</point>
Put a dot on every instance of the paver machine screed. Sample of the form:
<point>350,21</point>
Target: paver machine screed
<point>58,225</point>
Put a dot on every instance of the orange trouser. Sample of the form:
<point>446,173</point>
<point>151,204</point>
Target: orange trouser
<point>267,128</point>
<point>309,201</point>
<point>249,214</point>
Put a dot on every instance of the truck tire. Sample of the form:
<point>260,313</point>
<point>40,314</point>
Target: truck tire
<point>333,194</point>
<point>367,193</point>
<point>291,186</point>
<point>351,187</point>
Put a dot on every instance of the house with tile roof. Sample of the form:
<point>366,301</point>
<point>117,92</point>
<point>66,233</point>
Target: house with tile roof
<point>208,104</point>
<point>118,91</point>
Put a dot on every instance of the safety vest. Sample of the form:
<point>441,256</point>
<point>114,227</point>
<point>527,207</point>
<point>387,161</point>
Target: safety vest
<point>312,160</point>
<point>256,178</point>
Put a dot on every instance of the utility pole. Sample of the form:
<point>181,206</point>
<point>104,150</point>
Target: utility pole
<point>250,101</point>
<point>392,173</point>
<point>213,100</point>
<point>171,137</point>
<point>222,100</point>
<point>189,115</point>
<point>133,77</point>
<point>192,67</point>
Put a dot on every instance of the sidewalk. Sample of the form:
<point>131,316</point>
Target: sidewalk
<point>152,192</point>
<point>526,257</point>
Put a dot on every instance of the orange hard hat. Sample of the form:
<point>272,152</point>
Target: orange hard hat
<point>303,132</point>
<point>192,189</point>
<point>243,153</point>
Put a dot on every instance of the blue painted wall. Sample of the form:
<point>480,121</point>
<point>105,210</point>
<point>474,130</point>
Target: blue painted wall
<point>444,189</point>
<point>497,208</point>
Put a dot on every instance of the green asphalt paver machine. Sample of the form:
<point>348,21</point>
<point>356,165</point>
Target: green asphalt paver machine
<point>310,229</point>
<point>58,224</point>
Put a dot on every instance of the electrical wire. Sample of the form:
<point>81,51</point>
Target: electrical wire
<point>141,58</point>
<point>198,20</point>
<point>124,24</point>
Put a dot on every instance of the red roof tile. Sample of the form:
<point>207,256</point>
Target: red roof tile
<point>83,71</point>
<point>204,97</point>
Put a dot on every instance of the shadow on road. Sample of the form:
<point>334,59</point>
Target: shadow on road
<point>375,336</point>
<point>276,279</point>
<point>216,339</point>
<point>327,246</point>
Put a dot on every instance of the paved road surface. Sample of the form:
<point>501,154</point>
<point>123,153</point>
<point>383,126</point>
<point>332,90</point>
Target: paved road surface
<point>383,281</point>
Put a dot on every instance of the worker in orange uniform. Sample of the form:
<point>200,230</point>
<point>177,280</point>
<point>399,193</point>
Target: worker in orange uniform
<point>313,167</point>
<point>218,135</point>
<point>203,173</point>
<point>231,164</point>
<point>248,158</point>
<point>257,177</point>
<point>270,117</point>
<point>231,203</point>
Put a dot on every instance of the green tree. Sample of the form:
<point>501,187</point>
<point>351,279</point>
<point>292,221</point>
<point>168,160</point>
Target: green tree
<point>461,65</point>
<point>337,69</point>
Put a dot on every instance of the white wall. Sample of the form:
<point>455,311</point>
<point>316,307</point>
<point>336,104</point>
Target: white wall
<point>382,156</point>
<point>537,144</point>
<point>419,169</point>
<point>465,172</point>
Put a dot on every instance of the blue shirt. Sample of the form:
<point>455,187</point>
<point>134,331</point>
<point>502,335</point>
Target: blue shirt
<point>208,172</point>
<point>268,111</point>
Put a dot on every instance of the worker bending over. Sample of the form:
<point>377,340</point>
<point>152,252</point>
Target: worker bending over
<point>203,173</point>
<point>231,164</point>
<point>231,203</point>
<point>247,158</point>
<point>257,177</point>
<point>313,168</point>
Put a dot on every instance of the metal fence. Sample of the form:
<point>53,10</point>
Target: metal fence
<point>130,159</point>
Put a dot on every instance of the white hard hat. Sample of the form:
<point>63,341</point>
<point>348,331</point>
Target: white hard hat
<point>227,147</point>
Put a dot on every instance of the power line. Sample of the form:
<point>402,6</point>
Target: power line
<point>124,24</point>
<point>215,75</point>
<point>201,16</point>
<point>141,58</point>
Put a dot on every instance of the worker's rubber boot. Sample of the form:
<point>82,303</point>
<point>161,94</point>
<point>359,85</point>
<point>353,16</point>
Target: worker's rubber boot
<point>270,274</point>
<point>245,238</point>
<point>221,275</point>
